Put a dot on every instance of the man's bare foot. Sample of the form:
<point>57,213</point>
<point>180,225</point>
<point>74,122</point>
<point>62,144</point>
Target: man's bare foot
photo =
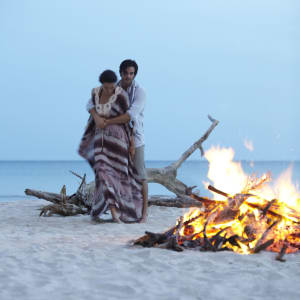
<point>115,217</point>
<point>117,220</point>
<point>143,219</point>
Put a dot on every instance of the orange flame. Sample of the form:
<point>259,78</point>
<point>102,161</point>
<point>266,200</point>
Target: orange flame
<point>255,212</point>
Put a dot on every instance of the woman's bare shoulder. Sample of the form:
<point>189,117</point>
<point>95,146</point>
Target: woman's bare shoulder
<point>95,90</point>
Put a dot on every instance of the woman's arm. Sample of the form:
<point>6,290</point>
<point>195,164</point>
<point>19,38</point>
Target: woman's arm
<point>122,119</point>
<point>132,147</point>
<point>99,121</point>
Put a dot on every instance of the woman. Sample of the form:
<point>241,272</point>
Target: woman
<point>107,150</point>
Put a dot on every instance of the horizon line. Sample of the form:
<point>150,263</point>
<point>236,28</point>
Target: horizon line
<point>148,160</point>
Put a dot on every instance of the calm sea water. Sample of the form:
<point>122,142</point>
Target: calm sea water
<point>16,176</point>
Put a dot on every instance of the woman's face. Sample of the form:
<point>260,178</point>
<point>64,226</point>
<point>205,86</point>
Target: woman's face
<point>109,87</point>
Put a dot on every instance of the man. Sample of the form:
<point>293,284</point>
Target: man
<point>137,99</point>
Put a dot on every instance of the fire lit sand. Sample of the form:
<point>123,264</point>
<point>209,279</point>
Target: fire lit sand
<point>246,214</point>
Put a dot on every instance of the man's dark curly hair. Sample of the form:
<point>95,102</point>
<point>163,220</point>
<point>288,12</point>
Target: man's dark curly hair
<point>128,63</point>
<point>108,76</point>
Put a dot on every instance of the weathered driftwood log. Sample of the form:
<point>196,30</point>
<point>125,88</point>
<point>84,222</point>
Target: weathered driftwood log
<point>52,197</point>
<point>81,201</point>
<point>63,210</point>
<point>167,176</point>
<point>173,202</point>
<point>64,205</point>
<point>73,206</point>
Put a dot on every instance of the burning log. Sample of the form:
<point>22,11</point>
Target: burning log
<point>265,210</point>
<point>172,244</point>
<point>218,241</point>
<point>280,255</point>
<point>271,207</point>
<point>150,239</point>
<point>260,245</point>
<point>263,246</point>
<point>213,189</point>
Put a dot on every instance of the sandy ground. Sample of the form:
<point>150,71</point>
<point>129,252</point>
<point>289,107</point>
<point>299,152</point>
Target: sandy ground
<point>70,258</point>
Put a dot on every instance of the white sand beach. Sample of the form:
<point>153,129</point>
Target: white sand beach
<point>70,258</point>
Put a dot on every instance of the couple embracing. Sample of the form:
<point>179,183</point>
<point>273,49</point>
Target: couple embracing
<point>113,144</point>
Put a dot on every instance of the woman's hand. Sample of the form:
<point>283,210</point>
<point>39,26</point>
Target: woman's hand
<point>100,122</point>
<point>132,147</point>
<point>132,151</point>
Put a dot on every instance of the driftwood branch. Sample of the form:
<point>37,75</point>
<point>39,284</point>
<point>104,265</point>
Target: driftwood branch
<point>167,176</point>
<point>173,202</point>
<point>196,145</point>
<point>78,203</point>
<point>52,197</point>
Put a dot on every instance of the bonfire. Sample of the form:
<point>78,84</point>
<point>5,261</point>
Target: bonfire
<point>246,214</point>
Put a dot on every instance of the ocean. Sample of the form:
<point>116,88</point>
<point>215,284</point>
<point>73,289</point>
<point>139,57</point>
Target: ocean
<point>16,176</point>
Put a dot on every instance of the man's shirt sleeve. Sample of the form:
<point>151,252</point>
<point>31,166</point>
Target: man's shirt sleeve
<point>138,104</point>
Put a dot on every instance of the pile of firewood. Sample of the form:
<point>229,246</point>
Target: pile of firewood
<point>215,226</point>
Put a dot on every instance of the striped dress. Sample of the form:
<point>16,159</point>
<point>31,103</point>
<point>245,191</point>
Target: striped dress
<point>116,180</point>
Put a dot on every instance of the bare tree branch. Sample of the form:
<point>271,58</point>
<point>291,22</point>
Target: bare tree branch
<point>167,176</point>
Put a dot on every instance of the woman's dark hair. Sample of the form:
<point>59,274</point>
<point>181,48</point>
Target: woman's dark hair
<point>128,63</point>
<point>108,76</point>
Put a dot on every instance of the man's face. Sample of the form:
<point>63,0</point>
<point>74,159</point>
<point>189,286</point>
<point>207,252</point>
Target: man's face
<point>128,75</point>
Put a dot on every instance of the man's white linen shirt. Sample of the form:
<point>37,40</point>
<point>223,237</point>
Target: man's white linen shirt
<point>137,102</point>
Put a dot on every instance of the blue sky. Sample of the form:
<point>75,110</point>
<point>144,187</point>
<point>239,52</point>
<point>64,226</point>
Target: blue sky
<point>236,60</point>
